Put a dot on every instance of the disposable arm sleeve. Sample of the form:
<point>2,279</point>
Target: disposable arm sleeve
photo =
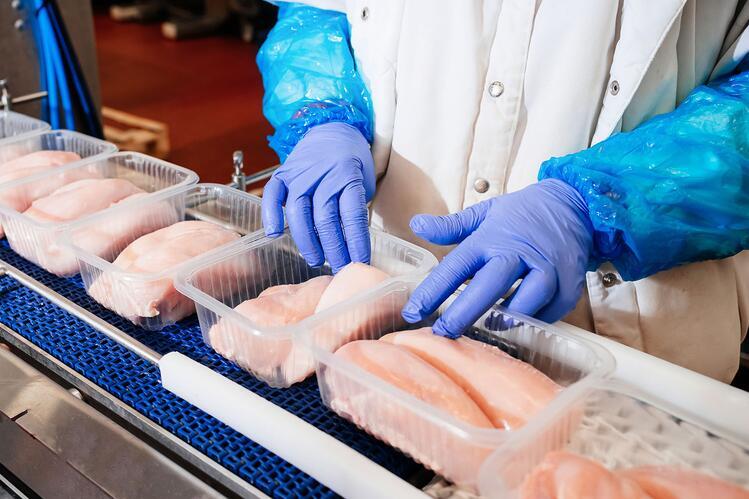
<point>310,76</point>
<point>674,190</point>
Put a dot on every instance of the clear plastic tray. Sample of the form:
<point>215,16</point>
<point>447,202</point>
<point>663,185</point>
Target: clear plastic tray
<point>56,140</point>
<point>214,203</point>
<point>243,271</point>
<point>40,242</point>
<point>432,437</point>
<point>620,427</point>
<point>15,125</point>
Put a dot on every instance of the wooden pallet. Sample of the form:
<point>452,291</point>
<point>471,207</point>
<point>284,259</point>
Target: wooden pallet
<point>134,133</point>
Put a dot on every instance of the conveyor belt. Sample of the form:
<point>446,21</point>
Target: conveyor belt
<point>136,382</point>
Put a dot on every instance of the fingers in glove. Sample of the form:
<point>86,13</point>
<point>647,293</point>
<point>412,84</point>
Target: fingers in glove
<point>489,284</point>
<point>460,264</point>
<point>355,221</point>
<point>301,224</point>
<point>274,197</point>
<point>328,224</point>
<point>452,228</point>
<point>570,288</point>
<point>538,288</point>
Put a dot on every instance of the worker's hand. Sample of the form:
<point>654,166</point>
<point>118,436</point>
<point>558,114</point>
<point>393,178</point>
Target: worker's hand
<point>325,184</point>
<point>541,234</point>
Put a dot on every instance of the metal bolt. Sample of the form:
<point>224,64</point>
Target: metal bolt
<point>609,279</point>
<point>18,24</point>
<point>614,87</point>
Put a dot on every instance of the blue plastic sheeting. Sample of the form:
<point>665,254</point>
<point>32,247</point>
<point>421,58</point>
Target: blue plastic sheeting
<point>310,76</point>
<point>675,189</point>
<point>137,383</point>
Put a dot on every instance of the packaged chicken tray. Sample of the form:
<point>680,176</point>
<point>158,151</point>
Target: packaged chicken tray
<point>35,211</point>
<point>134,276</point>
<point>448,403</point>
<point>254,298</point>
<point>620,442</point>
<point>56,140</point>
<point>15,125</point>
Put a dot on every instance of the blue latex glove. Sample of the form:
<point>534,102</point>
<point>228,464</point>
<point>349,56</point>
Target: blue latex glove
<point>325,184</point>
<point>541,234</point>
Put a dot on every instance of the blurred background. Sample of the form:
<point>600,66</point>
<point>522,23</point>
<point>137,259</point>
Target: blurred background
<point>175,79</point>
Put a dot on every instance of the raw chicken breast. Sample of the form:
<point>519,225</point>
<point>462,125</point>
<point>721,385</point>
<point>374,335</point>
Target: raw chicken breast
<point>68,203</point>
<point>508,390</point>
<point>265,355</point>
<point>664,482</point>
<point>283,361</point>
<point>366,320</point>
<point>400,367</point>
<point>50,159</point>
<point>81,198</point>
<point>351,280</point>
<point>141,299</point>
<point>431,444</point>
<point>20,197</point>
<point>563,475</point>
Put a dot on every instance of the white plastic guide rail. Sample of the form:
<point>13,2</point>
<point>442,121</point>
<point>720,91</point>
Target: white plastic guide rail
<point>321,456</point>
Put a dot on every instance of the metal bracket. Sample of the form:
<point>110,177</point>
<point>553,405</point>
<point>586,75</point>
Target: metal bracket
<point>7,100</point>
<point>238,178</point>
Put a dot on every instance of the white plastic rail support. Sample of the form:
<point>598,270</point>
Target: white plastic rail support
<point>321,456</point>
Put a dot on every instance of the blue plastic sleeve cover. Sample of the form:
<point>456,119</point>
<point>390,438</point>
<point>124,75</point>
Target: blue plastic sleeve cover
<point>674,190</point>
<point>310,76</point>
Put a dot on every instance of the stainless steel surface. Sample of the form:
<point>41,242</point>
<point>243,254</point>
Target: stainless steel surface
<point>29,97</point>
<point>99,324</point>
<point>239,180</point>
<point>9,486</point>
<point>238,177</point>
<point>261,175</point>
<point>61,447</point>
<point>130,417</point>
<point>7,100</point>
<point>107,401</point>
<point>18,55</point>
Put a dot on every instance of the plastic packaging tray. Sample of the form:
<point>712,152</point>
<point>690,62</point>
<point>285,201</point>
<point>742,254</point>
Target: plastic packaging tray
<point>432,437</point>
<point>15,125</point>
<point>40,242</point>
<point>56,140</point>
<point>218,204</point>
<point>243,271</point>
<point>620,427</point>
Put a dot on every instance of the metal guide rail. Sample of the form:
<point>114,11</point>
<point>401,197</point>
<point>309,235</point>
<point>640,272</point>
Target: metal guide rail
<point>53,320</point>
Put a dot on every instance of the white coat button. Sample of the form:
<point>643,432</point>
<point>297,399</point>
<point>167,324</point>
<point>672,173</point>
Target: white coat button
<point>481,185</point>
<point>609,279</point>
<point>614,87</point>
<point>365,13</point>
<point>496,88</point>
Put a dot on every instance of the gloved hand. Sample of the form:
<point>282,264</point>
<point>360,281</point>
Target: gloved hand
<point>325,184</point>
<point>541,234</point>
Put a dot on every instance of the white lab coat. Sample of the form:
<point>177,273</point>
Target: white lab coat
<point>566,74</point>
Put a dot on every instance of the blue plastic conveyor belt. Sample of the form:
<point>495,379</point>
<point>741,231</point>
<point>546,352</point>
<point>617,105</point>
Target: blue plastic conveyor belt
<point>137,383</point>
